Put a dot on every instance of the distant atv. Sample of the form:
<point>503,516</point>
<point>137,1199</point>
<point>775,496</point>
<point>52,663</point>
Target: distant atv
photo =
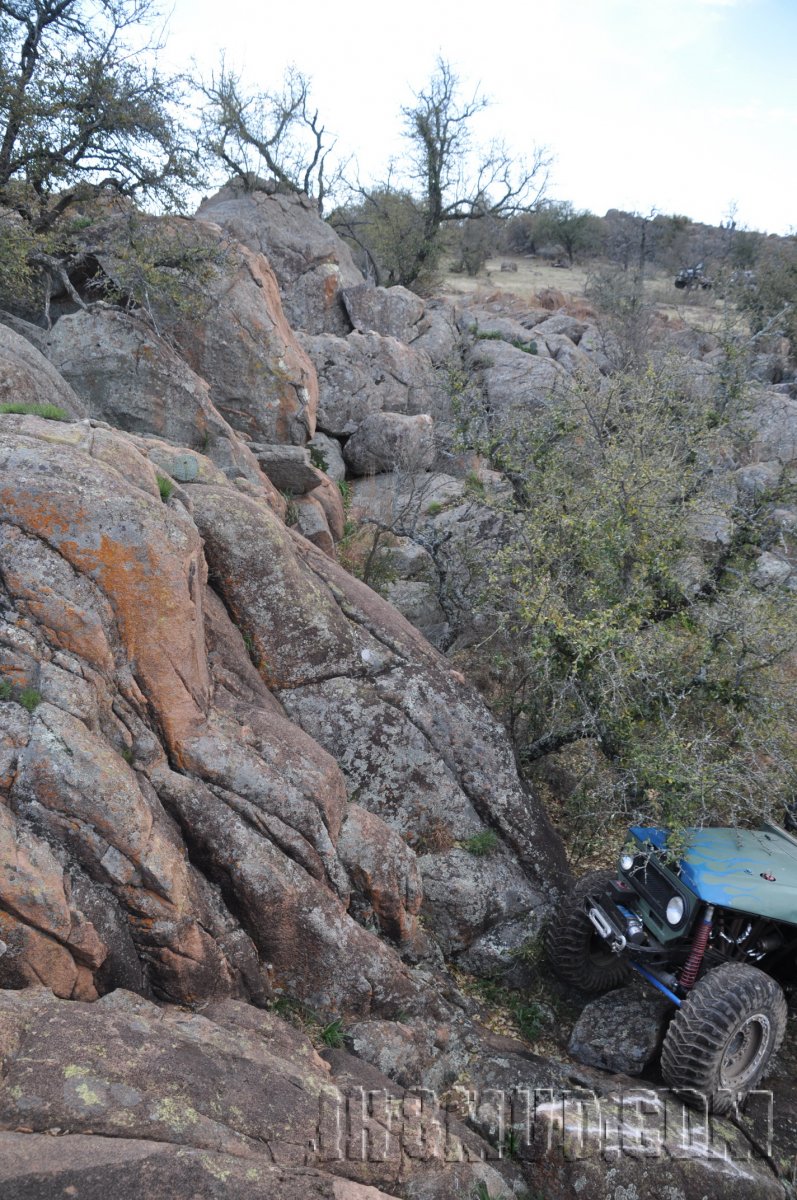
<point>692,277</point>
<point>714,930</point>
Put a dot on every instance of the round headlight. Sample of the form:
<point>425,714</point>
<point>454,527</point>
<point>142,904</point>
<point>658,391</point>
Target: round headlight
<point>675,910</point>
<point>626,861</point>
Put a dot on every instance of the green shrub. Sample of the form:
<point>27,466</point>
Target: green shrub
<point>318,458</point>
<point>165,487</point>
<point>345,493</point>
<point>474,484</point>
<point>481,844</point>
<point>29,698</point>
<point>332,1034</point>
<point>5,689</point>
<point>493,335</point>
<point>526,347</point>
<point>528,1018</point>
<point>434,508</point>
<point>50,412</point>
<point>251,649</point>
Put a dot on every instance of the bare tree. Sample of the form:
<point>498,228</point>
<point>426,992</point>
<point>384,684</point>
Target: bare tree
<point>447,181</point>
<point>277,133</point>
<point>460,182</point>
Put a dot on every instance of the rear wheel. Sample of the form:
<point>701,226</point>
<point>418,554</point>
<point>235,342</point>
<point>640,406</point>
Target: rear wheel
<point>578,955</point>
<point>723,1036</point>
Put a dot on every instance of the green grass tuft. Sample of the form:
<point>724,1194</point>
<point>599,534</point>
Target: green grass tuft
<point>481,844</point>
<point>50,412</point>
<point>29,698</point>
<point>332,1034</point>
<point>165,487</point>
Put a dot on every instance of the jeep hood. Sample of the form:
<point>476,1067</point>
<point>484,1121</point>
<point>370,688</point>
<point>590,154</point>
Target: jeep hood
<point>727,867</point>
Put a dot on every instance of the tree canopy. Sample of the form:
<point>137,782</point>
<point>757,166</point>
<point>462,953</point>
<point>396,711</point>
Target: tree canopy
<point>628,631</point>
<point>81,109</point>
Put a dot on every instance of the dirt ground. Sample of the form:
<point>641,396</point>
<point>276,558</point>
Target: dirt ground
<point>698,309</point>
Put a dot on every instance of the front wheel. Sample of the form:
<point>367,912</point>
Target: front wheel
<point>577,953</point>
<point>723,1036</point>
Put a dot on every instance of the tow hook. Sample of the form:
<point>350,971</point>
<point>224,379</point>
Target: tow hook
<point>617,941</point>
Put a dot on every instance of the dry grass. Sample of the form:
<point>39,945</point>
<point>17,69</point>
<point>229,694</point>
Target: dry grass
<point>697,310</point>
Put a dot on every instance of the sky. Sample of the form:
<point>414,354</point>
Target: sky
<point>686,106</point>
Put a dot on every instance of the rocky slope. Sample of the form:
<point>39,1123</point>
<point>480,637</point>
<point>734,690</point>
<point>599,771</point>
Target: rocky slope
<point>232,776</point>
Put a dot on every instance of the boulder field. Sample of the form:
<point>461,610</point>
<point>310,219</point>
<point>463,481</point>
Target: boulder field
<point>237,785</point>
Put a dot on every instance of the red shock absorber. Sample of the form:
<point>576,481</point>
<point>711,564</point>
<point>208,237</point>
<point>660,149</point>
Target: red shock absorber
<point>691,967</point>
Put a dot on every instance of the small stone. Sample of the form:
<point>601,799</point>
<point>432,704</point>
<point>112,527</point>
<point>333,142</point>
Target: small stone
<point>621,1031</point>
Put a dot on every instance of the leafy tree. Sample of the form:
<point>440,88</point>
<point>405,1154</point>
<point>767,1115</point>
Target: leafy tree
<point>278,133</point>
<point>770,298</point>
<point>80,109</point>
<point>577,231</point>
<point>387,230</point>
<point>615,637</point>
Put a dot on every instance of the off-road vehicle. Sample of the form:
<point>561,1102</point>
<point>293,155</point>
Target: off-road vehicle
<point>714,927</point>
<point>692,277</point>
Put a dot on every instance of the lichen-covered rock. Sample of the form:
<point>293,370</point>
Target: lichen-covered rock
<point>26,377</point>
<point>133,379</point>
<point>514,379</point>
<point>311,262</point>
<point>394,312</point>
<point>621,1031</point>
<point>288,467</point>
<point>384,871</point>
<point>329,456</point>
<point>367,373</point>
<point>385,441</point>
<point>311,521</point>
<point>241,1100</point>
<point>260,379</point>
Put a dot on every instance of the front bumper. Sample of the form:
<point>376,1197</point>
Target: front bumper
<point>614,917</point>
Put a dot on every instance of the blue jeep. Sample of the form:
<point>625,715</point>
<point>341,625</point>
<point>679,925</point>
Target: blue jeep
<point>714,928</point>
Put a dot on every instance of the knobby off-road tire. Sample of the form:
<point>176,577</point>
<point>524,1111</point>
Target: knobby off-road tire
<point>576,952</point>
<point>723,1036</point>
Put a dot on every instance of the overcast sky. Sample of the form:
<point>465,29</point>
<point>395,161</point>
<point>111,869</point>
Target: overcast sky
<point>685,106</point>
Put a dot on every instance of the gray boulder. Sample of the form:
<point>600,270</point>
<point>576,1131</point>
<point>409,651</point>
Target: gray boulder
<point>562,324</point>
<point>288,467</point>
<point>26,377</point>
<point>366,373</point>
<point>328,449</point>
<point>772,428</point>
<point>131,378</point>
<point>310,261</point>
<point>418,601</point>
<point>771,570</point>
<point>514,380</point>
<point>621,1031</point>
<point>385,441</point>
<point>393,312</point>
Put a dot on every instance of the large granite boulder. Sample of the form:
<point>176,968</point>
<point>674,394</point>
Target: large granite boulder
<point>134,380</point>
<point>152,1100</point>
<point>311,262</point>
<point>429,326</point>
<point>621,1031</point>
<point>223,315</point>
<point>514,379</point>
<point>386,441</point>
<point>27,378</point>
<point>143,631</point>
<point>366,373</point>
